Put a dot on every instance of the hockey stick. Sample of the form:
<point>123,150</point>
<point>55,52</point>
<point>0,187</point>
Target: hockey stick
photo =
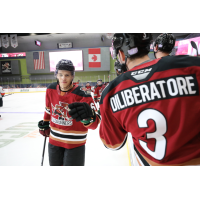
<point>43,150</point>
<point>194,46</point>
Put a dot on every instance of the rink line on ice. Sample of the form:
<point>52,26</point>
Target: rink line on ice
<point>11,134</point>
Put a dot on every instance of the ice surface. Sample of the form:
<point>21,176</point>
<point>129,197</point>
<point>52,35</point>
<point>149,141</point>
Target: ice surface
<point>22,145</point>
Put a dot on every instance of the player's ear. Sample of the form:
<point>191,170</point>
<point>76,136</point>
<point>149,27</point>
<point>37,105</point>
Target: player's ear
<point>156,48</point>
<point>122,56</point>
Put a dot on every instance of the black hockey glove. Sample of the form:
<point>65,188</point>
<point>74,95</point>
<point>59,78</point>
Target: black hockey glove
<point>82,112</point>
<point>44,128</point>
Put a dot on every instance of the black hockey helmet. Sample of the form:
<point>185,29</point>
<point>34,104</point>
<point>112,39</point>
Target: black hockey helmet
<point>65,65</point>
<point>165,42</point>
<point>130,43</point>
<point>99,80</point>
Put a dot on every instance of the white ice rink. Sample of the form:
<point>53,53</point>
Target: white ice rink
<point>22,145</point>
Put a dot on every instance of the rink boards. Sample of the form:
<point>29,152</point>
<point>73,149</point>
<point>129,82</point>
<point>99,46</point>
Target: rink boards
<point>24,90</point>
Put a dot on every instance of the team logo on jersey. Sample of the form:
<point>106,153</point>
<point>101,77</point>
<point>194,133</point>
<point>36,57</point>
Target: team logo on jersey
<point>61,110</point>
<point>141,74</point>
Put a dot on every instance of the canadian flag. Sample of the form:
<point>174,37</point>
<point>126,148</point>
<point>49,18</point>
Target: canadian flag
<point>94,58</point>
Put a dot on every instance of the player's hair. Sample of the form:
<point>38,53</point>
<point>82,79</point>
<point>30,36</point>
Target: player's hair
<point>165,42</point>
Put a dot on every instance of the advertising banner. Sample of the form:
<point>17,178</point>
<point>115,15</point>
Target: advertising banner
<point>11,55</point>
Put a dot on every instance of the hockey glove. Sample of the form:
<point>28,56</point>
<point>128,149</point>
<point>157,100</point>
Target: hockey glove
<point>44,128</point>
<point>82,112</point>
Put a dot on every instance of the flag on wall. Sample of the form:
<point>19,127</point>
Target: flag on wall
<point>94,58</point>
<point>13,40</point>
<point>5,41</point>
<point>38,59</point>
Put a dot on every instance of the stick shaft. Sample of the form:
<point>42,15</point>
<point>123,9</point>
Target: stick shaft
<point>43,151</point>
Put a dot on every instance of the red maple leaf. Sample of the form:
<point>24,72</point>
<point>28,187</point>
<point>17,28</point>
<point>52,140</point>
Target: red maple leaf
<point>94,58</point>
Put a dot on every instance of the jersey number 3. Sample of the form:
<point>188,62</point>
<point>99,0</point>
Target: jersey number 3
<point>161,129</point>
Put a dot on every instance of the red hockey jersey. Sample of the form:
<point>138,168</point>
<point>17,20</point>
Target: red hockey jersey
<point>97,92</point>
<point>65,131</point>
<point>76,83</point>
<point>88,87</point>
<point>158,102</point>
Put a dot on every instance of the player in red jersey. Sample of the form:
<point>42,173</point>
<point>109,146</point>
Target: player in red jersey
<point>67,136</point>
<point>88,87</point>
<point>164,45</point>
<point>104,85</point>
<point>157,101</point>
<point>76,83</point>
<point>97,92</point>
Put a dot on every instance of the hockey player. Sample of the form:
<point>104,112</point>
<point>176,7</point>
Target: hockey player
<point>88,87</point>
<point>164,45</point>
<point>76,83</point>
<point>67,137</point>
<point>98,92</point>
<point>1,95</point>
<point>156,101</point>
<point>104,85</point>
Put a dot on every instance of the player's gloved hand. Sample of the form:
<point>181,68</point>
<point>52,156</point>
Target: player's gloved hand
<point>82,112</point>
<point>95,99</point>
<point>44,128</point>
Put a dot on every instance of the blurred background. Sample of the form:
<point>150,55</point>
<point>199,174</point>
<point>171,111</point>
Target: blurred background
<point>28,60</point>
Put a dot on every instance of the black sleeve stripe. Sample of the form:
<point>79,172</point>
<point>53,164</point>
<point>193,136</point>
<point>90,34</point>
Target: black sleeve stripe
<point>52,86</point>
<point>172,62</point>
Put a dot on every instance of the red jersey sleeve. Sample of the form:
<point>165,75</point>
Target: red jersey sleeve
<point>111,131</point>
<point>95,93</point>
<point>47,107</point>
